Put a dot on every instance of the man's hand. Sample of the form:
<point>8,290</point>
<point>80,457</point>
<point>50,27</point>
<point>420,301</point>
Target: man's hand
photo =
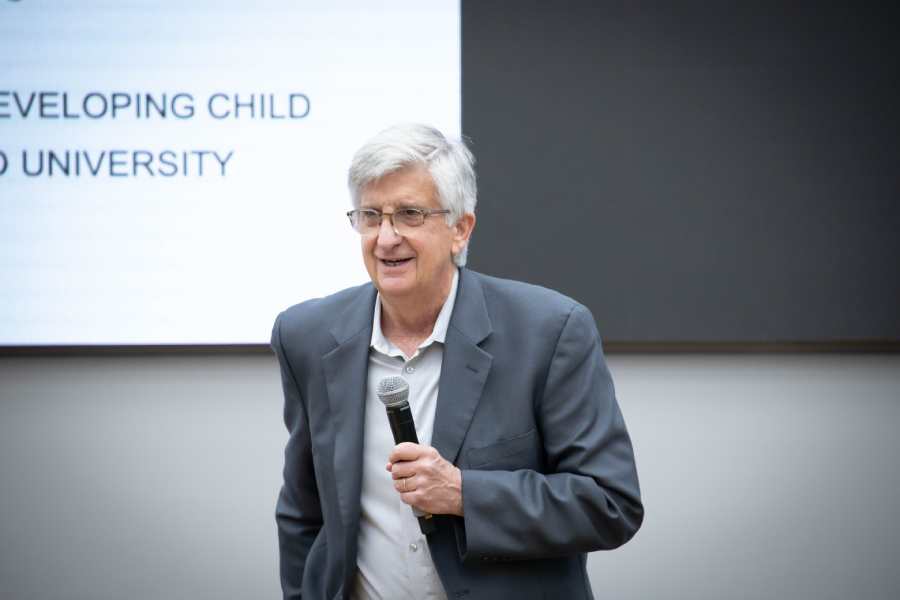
<point>425,480</point>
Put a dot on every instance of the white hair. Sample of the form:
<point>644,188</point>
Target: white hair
<point>450,164</point>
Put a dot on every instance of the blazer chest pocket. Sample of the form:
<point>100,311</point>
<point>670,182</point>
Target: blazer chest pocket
<point>519,452</point>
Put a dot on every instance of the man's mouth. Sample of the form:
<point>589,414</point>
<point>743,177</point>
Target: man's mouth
<point>397,262</point>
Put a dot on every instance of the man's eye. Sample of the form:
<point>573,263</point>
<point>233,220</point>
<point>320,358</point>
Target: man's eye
<point>411,217</point>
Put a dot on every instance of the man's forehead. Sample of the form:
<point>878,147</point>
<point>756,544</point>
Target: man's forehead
<point>398,204</point>
<point>410,186</point>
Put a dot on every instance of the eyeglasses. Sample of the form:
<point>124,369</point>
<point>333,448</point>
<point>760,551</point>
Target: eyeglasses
<point>367,221</point>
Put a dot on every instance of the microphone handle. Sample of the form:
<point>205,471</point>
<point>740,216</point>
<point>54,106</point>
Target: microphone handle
<point>402,425</point>
<point>404,429</point>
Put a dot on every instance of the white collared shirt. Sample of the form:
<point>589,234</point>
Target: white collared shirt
<point>393,558</point>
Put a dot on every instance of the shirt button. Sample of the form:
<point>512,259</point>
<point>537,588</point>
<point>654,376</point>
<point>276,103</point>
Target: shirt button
<point>413,547</point>
<point>410,369</point>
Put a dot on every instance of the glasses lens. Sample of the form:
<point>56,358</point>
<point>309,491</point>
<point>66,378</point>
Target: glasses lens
<point>364,220</point>
<point>369,220</point>
<point>409,217</point>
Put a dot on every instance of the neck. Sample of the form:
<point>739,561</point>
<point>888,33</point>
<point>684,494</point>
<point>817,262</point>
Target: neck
<point>412,319</point>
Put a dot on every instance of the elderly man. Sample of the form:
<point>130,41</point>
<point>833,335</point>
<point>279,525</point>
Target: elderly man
<point>524,460</point>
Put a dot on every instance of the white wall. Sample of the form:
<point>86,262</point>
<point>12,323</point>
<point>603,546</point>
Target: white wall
<point>763,477</point>
<point>155,476</point>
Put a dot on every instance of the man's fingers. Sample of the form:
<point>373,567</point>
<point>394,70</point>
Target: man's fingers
<point>406,484</point>
<point>413,499</point>
<point>405,451</point>
<point>404,469</point>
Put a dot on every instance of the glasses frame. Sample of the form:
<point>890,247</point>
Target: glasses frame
<point>425,212</point>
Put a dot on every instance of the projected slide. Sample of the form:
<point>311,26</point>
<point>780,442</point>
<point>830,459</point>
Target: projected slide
<point>175,172</point>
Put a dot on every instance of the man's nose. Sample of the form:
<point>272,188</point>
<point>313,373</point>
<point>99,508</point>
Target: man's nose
<point>387,233</point>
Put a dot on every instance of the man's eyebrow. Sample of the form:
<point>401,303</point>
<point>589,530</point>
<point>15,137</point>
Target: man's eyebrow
<point>411,203</point>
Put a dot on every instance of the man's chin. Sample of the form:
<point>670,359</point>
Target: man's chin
<point>395,284</point>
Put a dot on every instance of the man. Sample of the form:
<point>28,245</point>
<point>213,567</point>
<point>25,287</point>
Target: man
<point>524,459</point>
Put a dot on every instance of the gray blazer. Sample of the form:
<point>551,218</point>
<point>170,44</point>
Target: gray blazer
<point>526,409</point>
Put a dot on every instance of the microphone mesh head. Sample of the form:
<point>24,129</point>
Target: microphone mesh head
<point>393,390</point>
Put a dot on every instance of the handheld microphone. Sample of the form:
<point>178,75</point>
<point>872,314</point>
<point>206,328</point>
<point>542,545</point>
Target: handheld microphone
<point>394,393</point>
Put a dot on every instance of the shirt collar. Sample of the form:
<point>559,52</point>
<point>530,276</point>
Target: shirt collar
<point>438,334</point>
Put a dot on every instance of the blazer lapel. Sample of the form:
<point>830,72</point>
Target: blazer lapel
<point>345,368</point>
<point>465,367</point>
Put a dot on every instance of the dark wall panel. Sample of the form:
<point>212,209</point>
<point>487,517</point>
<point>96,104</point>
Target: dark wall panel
<point>692,172</point>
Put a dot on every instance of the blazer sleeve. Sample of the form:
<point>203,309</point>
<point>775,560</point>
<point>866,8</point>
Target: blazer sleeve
<point>298,513</point>
<point>588,498</point>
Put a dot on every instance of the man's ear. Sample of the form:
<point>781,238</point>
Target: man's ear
<point>462,231</point>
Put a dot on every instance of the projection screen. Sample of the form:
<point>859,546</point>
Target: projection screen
<point>175,173</point>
